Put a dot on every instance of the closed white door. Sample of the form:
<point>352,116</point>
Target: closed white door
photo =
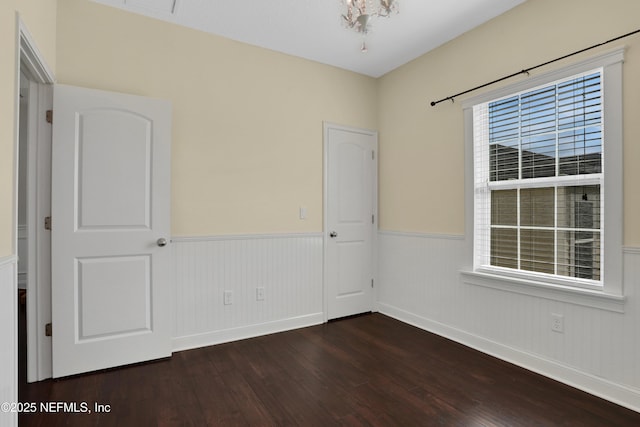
<point>111,295</point>
<point>350,222</point>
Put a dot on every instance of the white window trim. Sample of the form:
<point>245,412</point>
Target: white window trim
<point>611,296</point>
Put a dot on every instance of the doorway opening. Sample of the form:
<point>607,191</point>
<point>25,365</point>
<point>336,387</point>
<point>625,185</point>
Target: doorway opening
<point>22,227</point>
<point>33,201</point>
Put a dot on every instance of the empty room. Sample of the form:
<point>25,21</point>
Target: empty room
<point>301,212</point>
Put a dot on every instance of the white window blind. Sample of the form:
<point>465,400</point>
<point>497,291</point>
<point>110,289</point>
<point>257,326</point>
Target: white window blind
<point>538,181</point>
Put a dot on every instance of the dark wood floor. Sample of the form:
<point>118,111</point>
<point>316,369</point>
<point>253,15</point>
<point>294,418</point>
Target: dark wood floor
<point>366,370</point>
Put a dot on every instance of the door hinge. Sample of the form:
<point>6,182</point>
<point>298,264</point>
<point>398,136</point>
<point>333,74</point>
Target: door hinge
<point>373,155</point>
<point>48,330</point>
<point>47,223</point>
<point>49,116</point>
<point>372,283</point>
<point>373,219</point>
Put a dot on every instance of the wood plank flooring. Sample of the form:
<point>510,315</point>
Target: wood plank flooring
<point>369,370</point>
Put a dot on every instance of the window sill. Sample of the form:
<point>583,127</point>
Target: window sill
<point>584,297</point>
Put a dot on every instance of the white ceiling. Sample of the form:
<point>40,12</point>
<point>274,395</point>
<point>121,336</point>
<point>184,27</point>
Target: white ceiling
<point>312,29</point>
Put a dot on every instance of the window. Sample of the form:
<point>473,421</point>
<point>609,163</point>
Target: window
<point>546,184</point>
<point>538,180</point>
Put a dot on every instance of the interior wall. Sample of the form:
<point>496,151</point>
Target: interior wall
<point>247,122</point>
<point>422,147</point>
<point>423,246</point>
<point>37,16</point>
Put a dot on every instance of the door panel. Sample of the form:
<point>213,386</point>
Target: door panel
<point>351,207</point>
<point>125,202</point>
<point>352,267</point>
<point>111,296</point>
<point>123,282</point>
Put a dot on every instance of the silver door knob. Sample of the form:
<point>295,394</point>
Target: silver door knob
<point>162,242</point>
<point>333,234</point>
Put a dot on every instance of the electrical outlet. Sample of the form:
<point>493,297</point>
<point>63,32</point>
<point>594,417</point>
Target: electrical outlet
<point>228,297</point>
<point>557,322</point>
<point>260,294</point>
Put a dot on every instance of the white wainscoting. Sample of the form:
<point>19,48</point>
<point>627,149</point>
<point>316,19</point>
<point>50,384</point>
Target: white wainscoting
<point>599,351</point>
<point>8,338</point>
<point>287,266</point>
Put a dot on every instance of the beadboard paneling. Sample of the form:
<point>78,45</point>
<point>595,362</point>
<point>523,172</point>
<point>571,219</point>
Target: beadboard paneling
<point>8,338</point>
<point>289,267</point>
<point>599,351</point>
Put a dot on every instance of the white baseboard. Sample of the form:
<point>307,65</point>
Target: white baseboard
<point>240,333</point>
<point>616,393</point>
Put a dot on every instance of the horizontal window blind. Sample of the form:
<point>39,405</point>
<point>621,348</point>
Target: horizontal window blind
<point>538,180</point>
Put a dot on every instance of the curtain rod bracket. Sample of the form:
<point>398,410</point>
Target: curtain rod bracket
<point>448,98</point>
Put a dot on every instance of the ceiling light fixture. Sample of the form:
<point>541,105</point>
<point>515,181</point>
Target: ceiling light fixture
<point>360,12</point>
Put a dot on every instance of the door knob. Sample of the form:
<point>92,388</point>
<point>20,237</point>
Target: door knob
<point>162,242</point>
<point>333,234</point>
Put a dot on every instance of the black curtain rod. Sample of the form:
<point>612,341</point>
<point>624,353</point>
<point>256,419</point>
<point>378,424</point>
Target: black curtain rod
<point>526,71</point>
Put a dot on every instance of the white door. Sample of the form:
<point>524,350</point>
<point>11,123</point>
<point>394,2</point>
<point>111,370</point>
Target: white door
<point>350,221</point>
<point>111,296</point>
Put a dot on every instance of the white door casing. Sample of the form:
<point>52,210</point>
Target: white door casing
<point>38,196</point>
<point>111,295</point>
<point>350,219</point>
<point>38,202</point>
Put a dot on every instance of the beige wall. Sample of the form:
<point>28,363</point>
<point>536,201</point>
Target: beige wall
<point>247,140</point>
<point>421,147</point>
<point>247,122</point>
<point>39,18</point>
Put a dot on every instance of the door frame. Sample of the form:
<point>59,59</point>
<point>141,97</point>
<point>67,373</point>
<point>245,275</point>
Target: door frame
<point>326,126</point>
<point>30,60</point>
